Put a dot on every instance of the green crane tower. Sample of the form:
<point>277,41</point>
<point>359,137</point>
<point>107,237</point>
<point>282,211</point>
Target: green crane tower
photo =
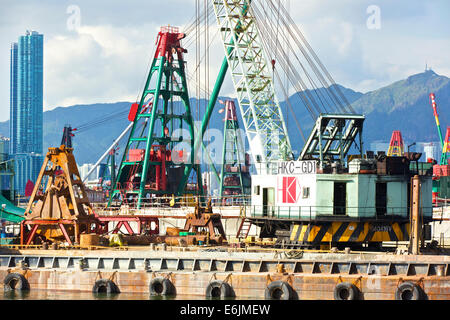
<point>234,176</point>
<point>154,162</point>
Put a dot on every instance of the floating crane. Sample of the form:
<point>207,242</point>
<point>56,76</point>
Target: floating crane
<point>150,165</point>
<point>445,144</point>
<point>249,39</point>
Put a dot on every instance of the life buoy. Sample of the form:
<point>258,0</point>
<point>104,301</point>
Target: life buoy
<point>105,286</point>
<point>278,290</point>
<point>345,291</point>
<point>161,287</point>
<point>15,281</point>
<point>219,289</point>
<point>408,291</point>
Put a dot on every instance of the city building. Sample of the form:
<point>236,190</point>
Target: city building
<point>430,150</point>
<point>27,167</point>
<point>4,148</point>
<point>26,107</point>
<point>4,156</point>
<point>95,175</point>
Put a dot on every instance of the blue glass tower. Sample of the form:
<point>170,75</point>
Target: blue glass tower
<point>26,105</point>
<point>13,98</point>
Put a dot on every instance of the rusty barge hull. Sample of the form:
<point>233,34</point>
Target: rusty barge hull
<point>190,275</point>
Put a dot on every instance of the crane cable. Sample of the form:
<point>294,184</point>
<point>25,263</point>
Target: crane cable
<point>300,35</point>
<point>331,90</point>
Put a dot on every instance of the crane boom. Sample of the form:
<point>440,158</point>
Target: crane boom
<point>251,74</point>
<point>438,125</point>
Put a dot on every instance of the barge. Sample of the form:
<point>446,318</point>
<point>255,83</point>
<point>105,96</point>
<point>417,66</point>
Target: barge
<point>231,273</point>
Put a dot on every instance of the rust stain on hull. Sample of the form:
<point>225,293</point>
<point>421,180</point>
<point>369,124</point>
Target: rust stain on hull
<point>246,285</point>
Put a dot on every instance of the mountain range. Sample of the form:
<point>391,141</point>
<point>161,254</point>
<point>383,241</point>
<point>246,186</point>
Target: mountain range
<point>403,105</point>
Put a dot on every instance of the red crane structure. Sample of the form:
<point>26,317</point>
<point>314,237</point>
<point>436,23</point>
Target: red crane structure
<point>396,146</point>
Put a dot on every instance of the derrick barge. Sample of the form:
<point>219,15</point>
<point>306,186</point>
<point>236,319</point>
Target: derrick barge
<point>226,272</point>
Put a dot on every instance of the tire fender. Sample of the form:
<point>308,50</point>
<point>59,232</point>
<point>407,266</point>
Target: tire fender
<point>345,291</point>
<point>220,289</point>
<point>105,285</point>
<point>279,290</point>
<point>15,281</point>
<point>408,291</point>
<point>161,287</point>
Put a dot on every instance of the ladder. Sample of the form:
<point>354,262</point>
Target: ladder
<point>244,228</point>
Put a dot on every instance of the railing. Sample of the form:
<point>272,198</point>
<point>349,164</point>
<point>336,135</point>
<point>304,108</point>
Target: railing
<point>442,202</point>
<point>188,201</point>
<point>213,262</point>
<point>316,212</point>
<point>167,207</point>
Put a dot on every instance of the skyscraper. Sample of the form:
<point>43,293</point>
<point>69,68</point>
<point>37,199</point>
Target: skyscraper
<point>13,98</point>
<point>26,104</point>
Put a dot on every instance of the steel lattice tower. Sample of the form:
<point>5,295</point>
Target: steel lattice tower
<point>153,162</point>
<point>251,73</point>
<point>396,146</point>
<point>234,177</point>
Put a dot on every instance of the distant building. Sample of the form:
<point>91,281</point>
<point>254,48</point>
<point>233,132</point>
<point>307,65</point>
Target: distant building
<point>27,167</point>
<point>4,148</point>
<point>95,175</point>
<point>26,112</point>
<point>13,96</point>
<point>4,156</point>
<point>430,150</point>
<point>210,180</point>
<point>26,106</point>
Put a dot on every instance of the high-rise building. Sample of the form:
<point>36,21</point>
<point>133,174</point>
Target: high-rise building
<point>13,98</point>
<point>26,105</point>
<point>27,167</point>
<point>27,93</point>
<point>4,167</point>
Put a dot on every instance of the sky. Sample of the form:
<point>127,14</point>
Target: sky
<point>98,51</point>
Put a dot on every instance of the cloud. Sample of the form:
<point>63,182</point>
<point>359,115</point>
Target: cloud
<point>107,58</point>
<point>97,63</point>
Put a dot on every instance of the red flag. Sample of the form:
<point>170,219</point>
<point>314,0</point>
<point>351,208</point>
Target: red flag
<point>29,188</point>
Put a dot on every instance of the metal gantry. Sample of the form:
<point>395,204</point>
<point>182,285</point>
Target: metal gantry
<point>396,145</point>
<point>251,74</point>
<point>331,138</point>
<point>158,169</point>
<point>234,176</point>
<point>444,143</point>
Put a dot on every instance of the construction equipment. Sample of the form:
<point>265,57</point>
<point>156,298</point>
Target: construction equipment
<point>58,208</point>
<point>252,78</point>
<point>445,144</point>
<point>206,225</point>
<point>441,171</point>
<point>331,138</point>
<point>396,145</point>
<point>67,136</point>
<point>157,169</point>
<point>234,176</point>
